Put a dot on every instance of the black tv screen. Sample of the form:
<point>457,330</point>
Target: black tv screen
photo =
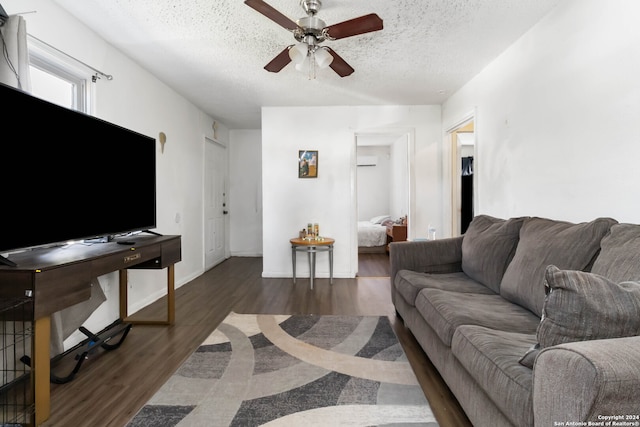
<point>70,176</point>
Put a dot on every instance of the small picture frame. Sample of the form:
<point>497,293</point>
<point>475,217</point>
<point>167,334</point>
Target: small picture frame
<point>307,164</point>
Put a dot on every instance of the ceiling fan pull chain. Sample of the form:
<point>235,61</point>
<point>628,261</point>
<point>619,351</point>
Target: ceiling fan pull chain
<point>312,63</point>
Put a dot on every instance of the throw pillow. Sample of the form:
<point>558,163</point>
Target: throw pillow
<point>619,257</point>
<point>379,219</point>
<point>529,357</point>
<point>583,306</point>
<point>544,242</point>
<point>487,248</point>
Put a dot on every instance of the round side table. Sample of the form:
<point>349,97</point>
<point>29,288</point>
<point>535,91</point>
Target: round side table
<point>311,247</point>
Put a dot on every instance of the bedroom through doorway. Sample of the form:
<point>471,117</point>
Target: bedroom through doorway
<point>382,175</point>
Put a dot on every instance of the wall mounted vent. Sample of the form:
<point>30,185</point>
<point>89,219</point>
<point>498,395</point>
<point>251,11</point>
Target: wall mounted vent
<point>367,160</point>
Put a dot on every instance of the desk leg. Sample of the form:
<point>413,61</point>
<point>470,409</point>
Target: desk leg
<point>331,264</point>
<point>41,369</point>
<point>171,294</point>
<point>124,297</point>
<point>293,262</point>
<point>171,303</point>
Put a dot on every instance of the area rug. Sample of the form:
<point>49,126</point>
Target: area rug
<point>266,370</point>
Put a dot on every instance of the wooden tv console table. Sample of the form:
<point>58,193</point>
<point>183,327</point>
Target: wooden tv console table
<point>57,278</point>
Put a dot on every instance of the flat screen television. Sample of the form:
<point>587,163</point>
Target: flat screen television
<point>70,176</point>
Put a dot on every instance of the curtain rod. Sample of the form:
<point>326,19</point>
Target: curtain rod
<point>107,76</point>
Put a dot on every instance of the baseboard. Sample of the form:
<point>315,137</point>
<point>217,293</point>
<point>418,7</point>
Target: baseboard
<point>246,254</point>
<point>372,249</point>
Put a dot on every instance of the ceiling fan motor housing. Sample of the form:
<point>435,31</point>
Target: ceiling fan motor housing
<point>311,7</point>
<point>310,25</point>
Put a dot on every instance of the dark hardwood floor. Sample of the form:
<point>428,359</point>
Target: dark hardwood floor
<point>112,386</point>
<point>373,265</point>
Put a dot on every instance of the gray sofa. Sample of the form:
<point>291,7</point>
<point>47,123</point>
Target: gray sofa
<point>530,321</point>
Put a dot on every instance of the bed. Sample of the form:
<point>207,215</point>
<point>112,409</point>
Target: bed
<point>372,234</point>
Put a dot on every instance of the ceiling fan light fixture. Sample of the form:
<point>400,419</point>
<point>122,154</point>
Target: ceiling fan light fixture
<point>303,67</point>
<point>310,31</point>
<point>298,53</point>
<point>323,57</point>
<point>308,66</point>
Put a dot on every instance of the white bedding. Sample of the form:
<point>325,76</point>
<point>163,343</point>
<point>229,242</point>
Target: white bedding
<point>370,234</point>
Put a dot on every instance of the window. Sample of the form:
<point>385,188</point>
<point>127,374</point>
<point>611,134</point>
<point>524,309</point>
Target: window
<point>58,79</point>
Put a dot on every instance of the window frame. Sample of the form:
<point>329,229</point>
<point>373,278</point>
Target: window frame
<point>51,61</point>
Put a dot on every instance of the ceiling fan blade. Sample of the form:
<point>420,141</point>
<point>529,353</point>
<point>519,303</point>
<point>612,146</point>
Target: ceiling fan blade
<point>339,65</point>
<point>280,61</point>
<point>271,13</point>
<point>353,27</point>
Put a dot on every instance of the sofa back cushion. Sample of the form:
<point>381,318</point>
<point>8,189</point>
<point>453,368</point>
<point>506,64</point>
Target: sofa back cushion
<point>487,248</point>
<point>544,242</point>
<point>619,258</point>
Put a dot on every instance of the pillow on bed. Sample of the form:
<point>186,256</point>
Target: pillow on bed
<point>379,219</point>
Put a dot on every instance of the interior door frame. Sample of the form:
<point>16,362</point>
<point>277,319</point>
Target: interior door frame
<point>409,134</point>
<point>453,170</point>
<point>205,198</point>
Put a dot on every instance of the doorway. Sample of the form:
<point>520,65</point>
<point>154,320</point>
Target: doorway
<point>382,187</point>
<point>462,141</point>
<point>215,203</point>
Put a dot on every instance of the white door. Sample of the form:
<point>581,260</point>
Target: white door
<point>215,203</point>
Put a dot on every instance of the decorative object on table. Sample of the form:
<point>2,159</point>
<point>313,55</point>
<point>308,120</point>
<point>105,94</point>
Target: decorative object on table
<point>311,232</point>
<point>307,164</point>
<point>431,232</point>
<point>257,369</point>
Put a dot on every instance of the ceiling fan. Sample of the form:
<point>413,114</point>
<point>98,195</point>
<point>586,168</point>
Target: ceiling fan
<point>310,31</point>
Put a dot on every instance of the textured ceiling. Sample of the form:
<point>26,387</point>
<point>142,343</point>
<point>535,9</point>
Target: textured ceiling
<point>213,51</point>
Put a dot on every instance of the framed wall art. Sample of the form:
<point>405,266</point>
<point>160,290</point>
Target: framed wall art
<point>307,164</point>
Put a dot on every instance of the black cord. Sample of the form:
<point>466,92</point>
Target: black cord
<point>5,54</point>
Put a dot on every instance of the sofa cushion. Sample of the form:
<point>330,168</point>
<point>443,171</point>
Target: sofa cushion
<point>583,306</point>
<point>491,358</point>
<point>445,311</point>
<point>487,248</point>
<point>619,257</point>
<point>544,242</point>
<point>408,283</point>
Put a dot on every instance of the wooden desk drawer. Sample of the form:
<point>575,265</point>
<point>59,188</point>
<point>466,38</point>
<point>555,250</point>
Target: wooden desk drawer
<point>170,253</point>
<point>13,284</point>
<point>122,260</point>
<point>59,288</point>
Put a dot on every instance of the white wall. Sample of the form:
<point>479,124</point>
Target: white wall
<point>289,202</point>
<point>557,117</point>
<point>400,184</point>
<point>374,182</point>
<point>135,99</point>
<point>245,192</point>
